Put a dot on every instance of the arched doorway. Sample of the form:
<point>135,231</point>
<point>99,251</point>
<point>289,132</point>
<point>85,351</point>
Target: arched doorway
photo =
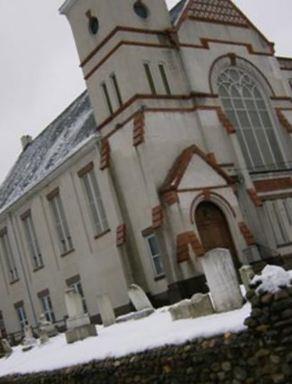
<point>214,229</point>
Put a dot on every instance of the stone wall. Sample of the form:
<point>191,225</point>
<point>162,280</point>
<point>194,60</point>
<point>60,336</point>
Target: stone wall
<point>260,355</point>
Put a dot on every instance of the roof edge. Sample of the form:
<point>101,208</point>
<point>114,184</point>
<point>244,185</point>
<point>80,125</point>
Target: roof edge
<point>67,5</point>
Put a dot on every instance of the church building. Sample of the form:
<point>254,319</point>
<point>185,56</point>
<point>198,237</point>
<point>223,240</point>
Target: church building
<point>181,143</point>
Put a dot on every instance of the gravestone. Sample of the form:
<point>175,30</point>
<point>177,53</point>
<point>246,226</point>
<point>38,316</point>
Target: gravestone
<point>6,347</point>
<point>247,274</point>
<point>47,327</point>
<point>29,340</point>
<point>222,280</point>
<point>139,298</point>
<point>78,323</point>
<point>106,310</point>
<point>199,305</point>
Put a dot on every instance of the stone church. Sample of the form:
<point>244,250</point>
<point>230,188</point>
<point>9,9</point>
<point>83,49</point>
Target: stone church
<point>181,143</point>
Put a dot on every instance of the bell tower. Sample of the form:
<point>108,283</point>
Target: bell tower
<point>115,40</point>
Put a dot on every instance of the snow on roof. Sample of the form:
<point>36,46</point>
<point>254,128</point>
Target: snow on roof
<point>272,279</point>
<point>68,132</point>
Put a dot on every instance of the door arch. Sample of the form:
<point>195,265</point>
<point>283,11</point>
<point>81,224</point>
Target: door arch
<point>214,230</point>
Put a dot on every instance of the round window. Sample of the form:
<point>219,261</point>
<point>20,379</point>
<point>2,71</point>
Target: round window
<point>93,25</point>
<point>141,10</point>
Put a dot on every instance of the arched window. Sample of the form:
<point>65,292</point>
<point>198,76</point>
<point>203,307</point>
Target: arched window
<point>246,107</point>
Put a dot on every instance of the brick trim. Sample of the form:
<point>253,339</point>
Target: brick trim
<point>83,171</point>
<point>43,293</point>
<point>121,235</point>
<point>224,120</point>
<point>157,217</point>
<point>139,129</point>
<point>184,242</point>
<point>105,155</point>
<point>170,197</point>
<point>53,194</point>
<point>284,121</point>
<point>270,185</point>
<point>72,280</point>
<point>257,201</point>
<point>25,214</point>
<point>246,233</point>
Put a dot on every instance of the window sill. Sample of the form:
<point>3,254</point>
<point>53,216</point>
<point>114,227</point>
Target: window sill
<point>102,234</point>
<point>14,281</point>
<point>284,245</point>
<point>36,269</point>
<point>67,253</point>
<point>160,277</point>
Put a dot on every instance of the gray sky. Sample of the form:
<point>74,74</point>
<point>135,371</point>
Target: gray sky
<point>39,72</point>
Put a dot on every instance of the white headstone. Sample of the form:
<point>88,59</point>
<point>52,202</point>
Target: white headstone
<point>222,280</point>
<point>106,310</point>
<point>246,274</point>
<point>46,326</point>
<point>29,341</point>
<point>138,298</point>
<point>78,323</point>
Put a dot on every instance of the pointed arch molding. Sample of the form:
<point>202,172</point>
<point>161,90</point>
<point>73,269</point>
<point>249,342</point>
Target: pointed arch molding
<point>208,195</point>
<point>231,59</point>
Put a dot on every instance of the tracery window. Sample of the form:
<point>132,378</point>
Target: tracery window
<point>246,107</point>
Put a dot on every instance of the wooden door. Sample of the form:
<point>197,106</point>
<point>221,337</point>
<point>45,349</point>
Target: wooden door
<point>214,230</point>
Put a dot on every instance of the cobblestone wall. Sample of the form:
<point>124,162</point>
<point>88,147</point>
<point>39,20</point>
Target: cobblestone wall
<point>261,355</point>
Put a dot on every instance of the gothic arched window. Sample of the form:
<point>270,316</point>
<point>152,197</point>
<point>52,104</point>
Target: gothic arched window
<point>246,107</point>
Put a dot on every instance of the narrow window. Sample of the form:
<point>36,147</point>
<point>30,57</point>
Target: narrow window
<point>75,283</point>
<point>164,79</point>
<point>150,78</point>
<point>61,224</point>
<point>8,256</point>
<point>153,248</point>
<point>32,241</point>
<point>21,314</point>
<point>276,219</point>
<point>107,98</point>
<point>94,201</point>
<point>47,307</point>
<point>3,332</point>
<point>117,89</point>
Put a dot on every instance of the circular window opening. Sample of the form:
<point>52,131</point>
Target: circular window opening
<point>141,10</point>
<point>93,25</point>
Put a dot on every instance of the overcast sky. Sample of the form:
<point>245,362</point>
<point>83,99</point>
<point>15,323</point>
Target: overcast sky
<point>39,72</point>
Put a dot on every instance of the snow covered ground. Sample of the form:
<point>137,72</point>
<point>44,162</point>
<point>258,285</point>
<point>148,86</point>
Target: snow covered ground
<point>122,339</point>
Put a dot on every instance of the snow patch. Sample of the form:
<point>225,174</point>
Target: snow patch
<point>123,339</point>
<point>272,279</point>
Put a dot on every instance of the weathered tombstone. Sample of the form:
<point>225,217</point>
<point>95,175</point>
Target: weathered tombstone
<point>199,305</point>
<point>78,322</point>
<point>6,347</point>
<point>106,310</point>
<point>29,340</point>
<point>47,327</point>
<point>138,298</point>
<point>222,280</point>
<point>247,274</point>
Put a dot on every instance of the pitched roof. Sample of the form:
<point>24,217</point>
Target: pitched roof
<point>223,11</point>
<point>176,10</point>
<point>60,139</point>
<point>180,166</point>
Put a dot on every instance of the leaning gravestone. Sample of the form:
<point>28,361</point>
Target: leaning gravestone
<point>222,280</point>
<point>47,326</point>
<point>106,310</point>
<point>138,298</point>
<point>6,347</point>
<point>78,322</point>
<point>199,305</point>
<point>247,274</point>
